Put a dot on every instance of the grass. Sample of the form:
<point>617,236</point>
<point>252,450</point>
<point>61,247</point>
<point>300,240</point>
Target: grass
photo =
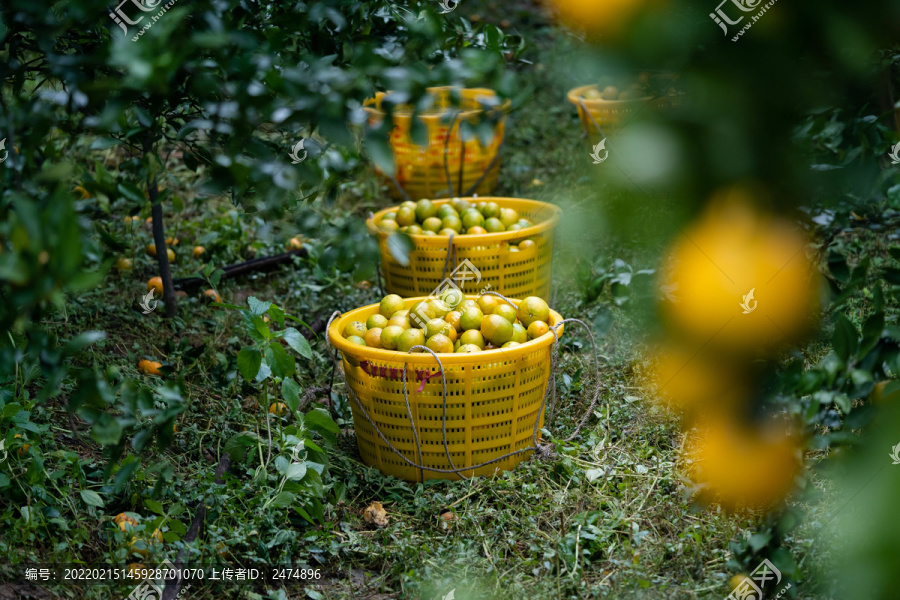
<point>607,516</point>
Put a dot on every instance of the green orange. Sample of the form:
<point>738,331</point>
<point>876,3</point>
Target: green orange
<point>496,329</point>
<point>471,318</point>
<point>533,309</point>
<point>409,338</point>
<point>391,304</point>
<point>356,328</point>
<point>472,337</point>
<point>390,337</point>
<point>440,343</point>
<point>506,311</point>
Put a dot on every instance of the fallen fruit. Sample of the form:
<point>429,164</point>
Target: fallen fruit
<point>150,367</point>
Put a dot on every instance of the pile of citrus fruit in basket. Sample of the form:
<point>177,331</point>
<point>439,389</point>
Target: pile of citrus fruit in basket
<point>451,323</point>
<point>455,217</point>
<point>646,85</point>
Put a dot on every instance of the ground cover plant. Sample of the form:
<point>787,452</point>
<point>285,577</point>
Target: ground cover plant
<point>735,257</point>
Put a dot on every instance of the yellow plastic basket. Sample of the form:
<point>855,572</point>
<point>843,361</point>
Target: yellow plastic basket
<point>611,115</point>
<point>421,170</point>
<point>493,400</point>
<point>513,274</point>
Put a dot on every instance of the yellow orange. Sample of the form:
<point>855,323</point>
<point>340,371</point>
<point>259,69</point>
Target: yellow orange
<point>743,466</point>
<point>150,367</point>
<point>155,283</point>
<point>278,409</point>
<point>373,337</point>
<point>198,251</point>
<point>732,250</point>
<point>124,264</point>
<point>213,295</point>
<point>24,447</point>
<point>533,309</point>
<point>599,19</point>
<point>151,249</point>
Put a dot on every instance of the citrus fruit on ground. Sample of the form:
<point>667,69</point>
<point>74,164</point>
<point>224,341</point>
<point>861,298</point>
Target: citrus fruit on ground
<point>439,343</point>
<point>376,320</point>
<point>487,303</point>
<point>472,218</point>
<point>510,344</point>
<point>743,466</point>
<point>198,251</point>
<point>390,337</point>
<point>506,311</point>
<point>24,448</point>
<point>391,304</point>
<point>124,264</point>
<point>493,225</point>
<point>406,216</point>
<point>508,216</point>
<point>431,224</point>
<point>373,337</point>
<point>170,254</point>
<point>354,328</point>
<point>468,349</point>
<point>520,334</point>
<point>491,209</point>
<point>453,318</point>
<point>213,296</point>
<point>479,230</point>
<point>537,329</point>
<point>425,209</point>
<point>150,367</point>
<point>471,318</point>
<point>743,279</point>
<point>150,250</point>
<point>472,337</point>
<point>496,329</point>
<point>409,338</point>
<point>533,309</point>
<point>278,408</point>
<point>125,522</point>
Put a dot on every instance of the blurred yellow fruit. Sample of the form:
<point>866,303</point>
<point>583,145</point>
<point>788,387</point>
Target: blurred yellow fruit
<point>150,367</point>
<point>172,241</point>
<point>296,242</point>
<point>373,337</point>
<point>742,466</point>
<point>124,264</point>
<point>598,18</point>
<point>198,251</point>
<point>84,193</point>
<point>24,447</point>
<point>391,304</point>
<point>278,408</point>
<point>685,379</point>
<point>151,249</point>
<point>740,279</point>
<point>213,296</point>
<point>170,254</point>
<point>125,522</point>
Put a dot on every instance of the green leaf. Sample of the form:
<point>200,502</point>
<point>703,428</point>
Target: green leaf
<point>845,339</point>
<point>321,422</point>
<point>248,363</point>
<point>380,150</point>
<point>295,472</point>
<point>297,342</point>
<point>239,444</point>
<point>155,506</point>
<point>400,245</point>
<point>258,307</point>
<point>81,341</point>
<point>92,498</point>
<point>283,499</point>
<point>104,143</point>
<point>290,391</point>
<point>282,363</point>
<point>107,430</point>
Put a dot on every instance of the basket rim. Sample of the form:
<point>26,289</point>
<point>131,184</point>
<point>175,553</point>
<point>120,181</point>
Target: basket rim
<point>485,357</point>
<point>478,239</point>
<point>372,110</point>
<point>574,96</point>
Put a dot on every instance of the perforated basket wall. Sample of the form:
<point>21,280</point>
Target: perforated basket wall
<point>514,274</point>
<point>493,399</point>
<point>611,115</point>
<point>420,170</point>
